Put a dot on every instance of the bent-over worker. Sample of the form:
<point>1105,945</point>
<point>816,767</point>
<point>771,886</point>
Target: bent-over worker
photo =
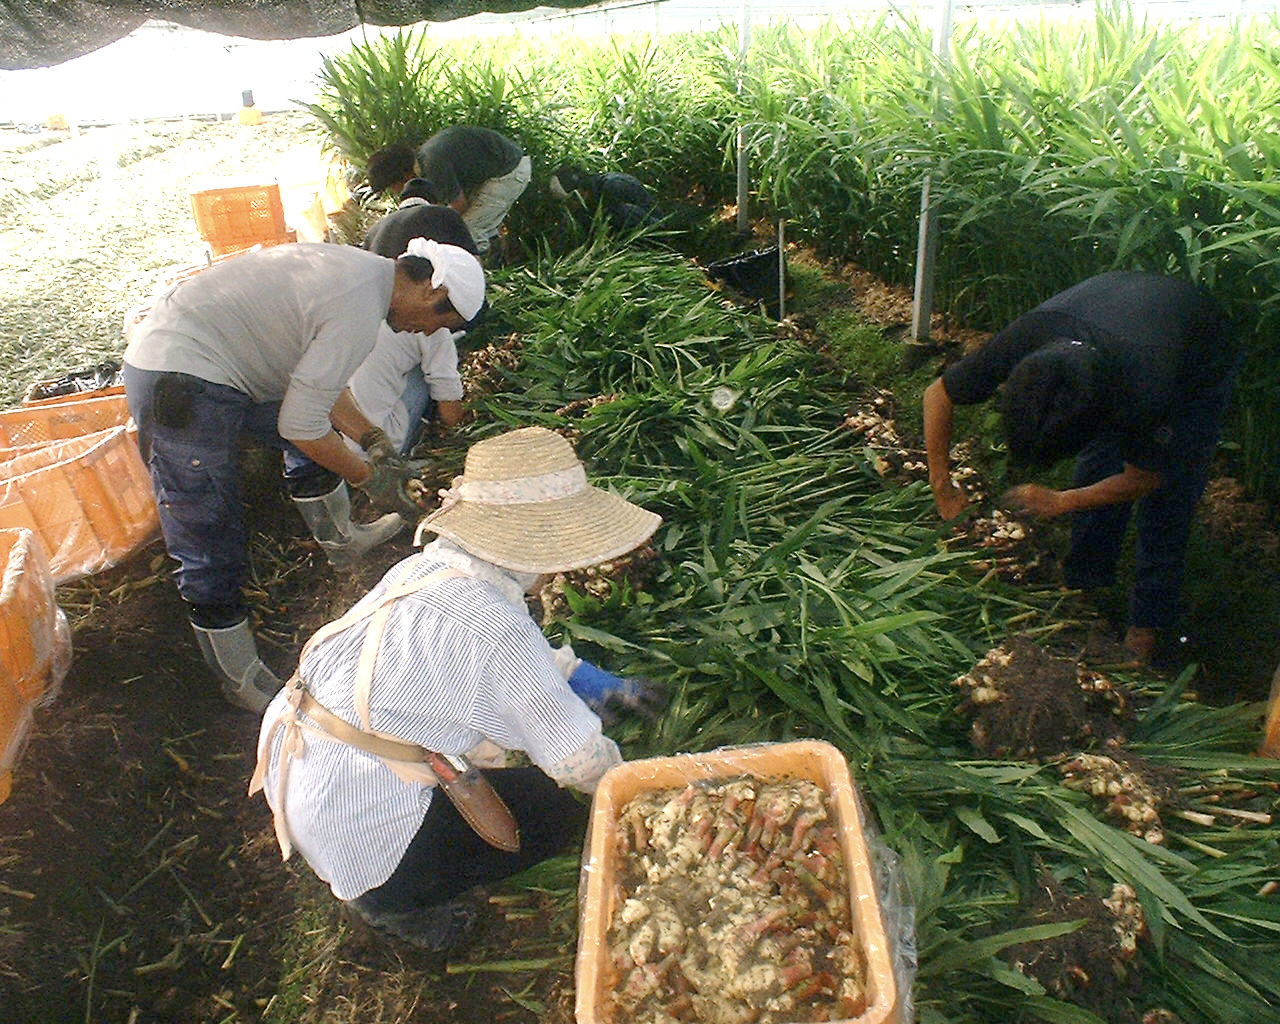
<point>626,203</point>
<point>443,658</point>
<point>1131,372</point>
<point>477,171</point>
<point>263,345</point>
<point>411,376</point>
<point>416,217</point>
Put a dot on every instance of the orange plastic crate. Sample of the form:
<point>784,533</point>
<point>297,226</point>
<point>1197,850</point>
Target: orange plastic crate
<point>22,449</point>
<point>820,763</point>
<point>78,396</point>
<point>57,420</point>
<point>238,214</point>
<point>231,248</point>
<point>35,644</point>
<point>87,498</point>
<point>15,721</point>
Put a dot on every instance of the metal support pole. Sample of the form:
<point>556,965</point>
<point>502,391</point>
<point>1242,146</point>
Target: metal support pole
<point>927,240</point>
<point>744,42</point>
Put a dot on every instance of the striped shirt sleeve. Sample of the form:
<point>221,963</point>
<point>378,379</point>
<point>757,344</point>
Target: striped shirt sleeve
<point>530,699</point>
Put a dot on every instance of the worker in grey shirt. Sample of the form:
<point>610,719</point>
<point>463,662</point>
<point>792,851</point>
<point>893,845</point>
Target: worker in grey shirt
<point>443,658</point>
<point>262,345</point>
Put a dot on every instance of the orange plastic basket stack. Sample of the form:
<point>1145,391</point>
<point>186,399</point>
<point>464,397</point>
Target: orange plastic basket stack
<point>87,498</point>
<point>231,218</point>
<point>35,644</point>
<point>60,418</point>
<point>820,763</point>
<point>14,451</point>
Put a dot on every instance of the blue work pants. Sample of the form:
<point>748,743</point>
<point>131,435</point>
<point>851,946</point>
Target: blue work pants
<point>419,404</point>
<point>195,475</point>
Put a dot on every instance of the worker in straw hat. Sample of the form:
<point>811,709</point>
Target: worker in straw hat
<point>368,756</point>
<point>262,346</point>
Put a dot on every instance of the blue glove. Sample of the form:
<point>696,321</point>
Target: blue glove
<point>606,694</point>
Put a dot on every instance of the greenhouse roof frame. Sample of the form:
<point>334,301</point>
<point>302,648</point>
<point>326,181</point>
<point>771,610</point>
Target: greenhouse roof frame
<point>38,33</point>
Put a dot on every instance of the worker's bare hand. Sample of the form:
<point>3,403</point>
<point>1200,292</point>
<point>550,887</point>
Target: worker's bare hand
<point>1040,501</point>
<point>950,500</point>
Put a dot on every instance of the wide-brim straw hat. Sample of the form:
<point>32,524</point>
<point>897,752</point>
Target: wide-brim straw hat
<point>523,503</point>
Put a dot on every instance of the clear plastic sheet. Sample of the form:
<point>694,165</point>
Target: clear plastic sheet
<point>897,909</point>
<point>881,914</point>
<point>35,642</point>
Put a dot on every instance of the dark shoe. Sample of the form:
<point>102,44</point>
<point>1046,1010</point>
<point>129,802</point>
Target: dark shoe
<point>442,928</point>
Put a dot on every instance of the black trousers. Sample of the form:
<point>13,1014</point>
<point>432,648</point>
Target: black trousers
<point>1164,516</point>
<point>446,857</point>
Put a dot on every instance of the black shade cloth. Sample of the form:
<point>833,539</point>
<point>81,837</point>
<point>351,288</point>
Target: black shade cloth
<point>37,33</point>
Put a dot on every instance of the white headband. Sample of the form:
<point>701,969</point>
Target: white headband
<point>456,270</point>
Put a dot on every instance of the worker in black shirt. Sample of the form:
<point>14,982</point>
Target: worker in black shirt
<point>627,204</point>
<point>416,217</point>
<point>1130,372</point>
<point>477,171</point>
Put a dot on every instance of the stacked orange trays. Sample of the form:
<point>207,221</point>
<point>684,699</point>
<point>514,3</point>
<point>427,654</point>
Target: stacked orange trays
<point>75,498</point>
<point>70,473</point>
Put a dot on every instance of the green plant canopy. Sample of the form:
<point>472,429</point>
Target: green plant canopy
<point>37,33</point>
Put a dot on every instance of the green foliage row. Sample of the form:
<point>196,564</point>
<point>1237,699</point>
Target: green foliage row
<point>1055,150</point>
<point>798,597</point>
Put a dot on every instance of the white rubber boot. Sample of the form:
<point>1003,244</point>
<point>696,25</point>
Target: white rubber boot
<point>233,655</point>
<point>344,542</point>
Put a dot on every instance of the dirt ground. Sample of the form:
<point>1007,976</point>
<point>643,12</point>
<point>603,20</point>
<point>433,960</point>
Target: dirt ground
<point>137,882</point>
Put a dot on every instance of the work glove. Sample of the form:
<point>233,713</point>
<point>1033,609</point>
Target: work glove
<point>607,694</point>
<point>387,487</point>
<point>377,445</point>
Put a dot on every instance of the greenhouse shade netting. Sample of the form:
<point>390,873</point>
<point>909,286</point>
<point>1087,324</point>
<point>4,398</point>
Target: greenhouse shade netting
<point>37,33</point>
